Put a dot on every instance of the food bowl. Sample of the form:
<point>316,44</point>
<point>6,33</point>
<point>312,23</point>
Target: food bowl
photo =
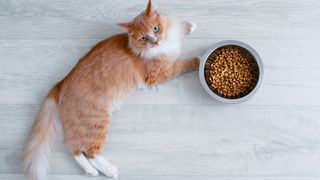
<point>208,68</point>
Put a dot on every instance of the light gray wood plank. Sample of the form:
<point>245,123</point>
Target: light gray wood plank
<point>190,140</point>
<point>81,177</point>
<point>30,67</point>
<point>177,132</point>
<point>97,19</point>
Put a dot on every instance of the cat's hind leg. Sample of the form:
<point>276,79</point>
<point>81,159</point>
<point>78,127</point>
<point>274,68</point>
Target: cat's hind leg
<point>95,138</point>
<point>86,165</point>
<point>104,166</point>
<point>85,138</point>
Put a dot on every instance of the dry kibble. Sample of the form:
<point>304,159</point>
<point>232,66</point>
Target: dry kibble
<point>233,72</point>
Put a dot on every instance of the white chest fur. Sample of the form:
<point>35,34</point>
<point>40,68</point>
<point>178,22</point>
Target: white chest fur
<point>171,46</point>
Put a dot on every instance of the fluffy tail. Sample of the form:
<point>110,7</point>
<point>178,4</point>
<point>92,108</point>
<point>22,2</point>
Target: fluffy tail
<point>36,152</point>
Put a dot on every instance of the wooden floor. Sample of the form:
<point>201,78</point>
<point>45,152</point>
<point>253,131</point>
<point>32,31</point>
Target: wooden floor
<point>177,132</point>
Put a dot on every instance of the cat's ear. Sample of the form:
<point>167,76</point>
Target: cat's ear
<point>125,26</point>
<point>150,11</point>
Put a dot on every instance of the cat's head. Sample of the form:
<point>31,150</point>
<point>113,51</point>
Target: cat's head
<point>147,31</point>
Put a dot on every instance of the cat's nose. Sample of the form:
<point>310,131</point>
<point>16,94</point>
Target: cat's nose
<point>152,38</point>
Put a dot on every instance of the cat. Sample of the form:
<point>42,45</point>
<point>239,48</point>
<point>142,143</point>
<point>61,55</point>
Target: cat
<point>80,105</point>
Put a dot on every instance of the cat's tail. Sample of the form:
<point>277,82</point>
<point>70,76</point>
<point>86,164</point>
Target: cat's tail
<point>45,130</point>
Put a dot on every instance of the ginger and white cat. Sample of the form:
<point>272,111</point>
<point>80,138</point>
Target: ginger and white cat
<point>83,101</point>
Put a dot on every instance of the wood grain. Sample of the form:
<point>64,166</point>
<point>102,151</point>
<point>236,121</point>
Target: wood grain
<point>79,177</point>
<point>190,140</point>
<point>216,19</point>
<point>176,132</point>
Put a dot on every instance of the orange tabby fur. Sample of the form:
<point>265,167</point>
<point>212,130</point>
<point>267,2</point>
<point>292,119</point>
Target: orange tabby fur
<point>104,76</point>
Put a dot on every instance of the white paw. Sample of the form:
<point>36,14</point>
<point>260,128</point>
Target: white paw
<point>91,172</point>
<point>193,27</point>
<point>111,171</point>
<point>105,167</point>
<point>86,166</point>
<point>190,27</point>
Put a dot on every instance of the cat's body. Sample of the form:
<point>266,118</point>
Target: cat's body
<point>84,100</point>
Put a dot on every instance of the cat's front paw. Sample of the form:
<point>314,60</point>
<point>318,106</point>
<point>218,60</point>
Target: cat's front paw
<point>193,64</point>
<point>190,27</point>
<point>196,62</point>
<point>151,79</point>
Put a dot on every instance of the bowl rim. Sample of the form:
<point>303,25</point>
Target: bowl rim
<point>214,47</point>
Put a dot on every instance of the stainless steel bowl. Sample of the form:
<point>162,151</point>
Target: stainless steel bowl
<point>225,43</point>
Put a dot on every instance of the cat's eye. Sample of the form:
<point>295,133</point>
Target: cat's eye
<point>156,28</point>
<point>144,38</point>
